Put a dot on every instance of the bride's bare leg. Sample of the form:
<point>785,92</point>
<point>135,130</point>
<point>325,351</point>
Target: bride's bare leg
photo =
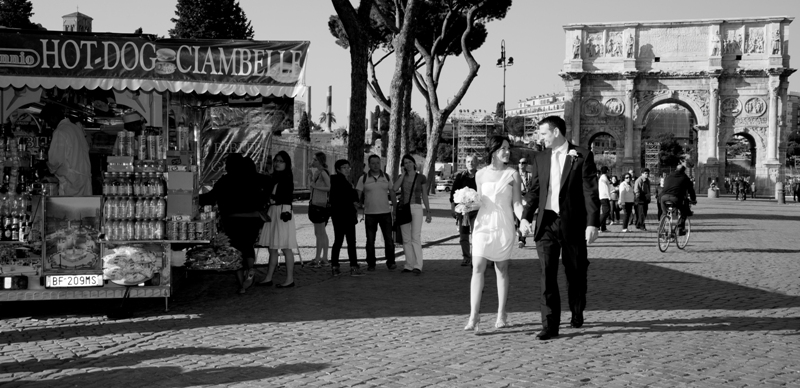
<point>501,269</point>
<point>475,290</point>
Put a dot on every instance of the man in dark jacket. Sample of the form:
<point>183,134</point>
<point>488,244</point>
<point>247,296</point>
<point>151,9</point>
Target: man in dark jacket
<point>796,189</point>
<point>344,214</point>
<point>463,179</point>
<point>679,189</point>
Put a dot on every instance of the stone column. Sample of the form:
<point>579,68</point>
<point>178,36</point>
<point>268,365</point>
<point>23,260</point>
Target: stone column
<point>713,116</point>
<point>628,160</point>
<point>772,133</point>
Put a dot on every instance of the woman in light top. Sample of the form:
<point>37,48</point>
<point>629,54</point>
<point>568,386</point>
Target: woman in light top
<point>414,188</point>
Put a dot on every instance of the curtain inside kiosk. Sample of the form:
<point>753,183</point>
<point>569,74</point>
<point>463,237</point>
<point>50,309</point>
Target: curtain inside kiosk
<point>159,116</point>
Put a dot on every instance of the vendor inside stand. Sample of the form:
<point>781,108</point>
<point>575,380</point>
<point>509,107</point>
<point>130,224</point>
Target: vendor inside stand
<point>68,157</point>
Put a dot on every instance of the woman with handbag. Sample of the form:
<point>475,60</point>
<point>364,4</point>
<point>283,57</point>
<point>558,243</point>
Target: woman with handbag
<point>240,194</point>
<point>409,212</point>
<point>280,232</point>
<point>318,207</point>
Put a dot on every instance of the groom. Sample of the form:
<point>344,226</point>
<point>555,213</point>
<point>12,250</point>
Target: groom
<point>564,189</point>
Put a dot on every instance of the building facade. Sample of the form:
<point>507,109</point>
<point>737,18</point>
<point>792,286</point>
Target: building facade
<point>77,22</point>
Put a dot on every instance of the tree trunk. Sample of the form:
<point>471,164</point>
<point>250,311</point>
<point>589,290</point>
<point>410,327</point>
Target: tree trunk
<point>358,108</point>
<point>353,22</point>
<point>404,47</point>
<point>409,87</point>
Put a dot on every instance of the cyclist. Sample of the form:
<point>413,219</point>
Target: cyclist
<point>679,189</point>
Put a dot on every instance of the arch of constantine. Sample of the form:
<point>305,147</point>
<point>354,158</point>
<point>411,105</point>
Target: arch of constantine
<point>731,75</point>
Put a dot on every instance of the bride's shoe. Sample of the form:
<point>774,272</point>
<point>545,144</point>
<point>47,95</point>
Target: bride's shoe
<point>502,321</point>
<point>472,324</point>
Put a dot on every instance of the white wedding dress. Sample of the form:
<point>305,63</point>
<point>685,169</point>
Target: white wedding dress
<point>494,234</point>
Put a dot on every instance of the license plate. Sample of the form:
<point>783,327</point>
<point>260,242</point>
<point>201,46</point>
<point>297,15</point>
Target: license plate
<point>58,281</point>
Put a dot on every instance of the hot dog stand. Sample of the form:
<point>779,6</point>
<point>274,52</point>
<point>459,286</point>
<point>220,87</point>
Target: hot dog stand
<point>142,102</point>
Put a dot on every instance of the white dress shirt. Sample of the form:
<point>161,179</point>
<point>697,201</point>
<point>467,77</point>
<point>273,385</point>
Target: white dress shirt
<point>557,160</point>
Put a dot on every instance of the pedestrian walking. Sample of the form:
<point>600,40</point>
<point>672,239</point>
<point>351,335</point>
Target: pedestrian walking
<point>376,198</point>
<point>241,195</point>
<point>796,189</point>
<point>626,200</point>
<point>466,223</point>
<point>344,214</point>
<point>280,233</point>
<point>525,177</point>
<point>414,194</point>
<point>641,195</point>
<point>615,219</point>
<point>565,190</point>
<point>753,189</point>
<point>318,207</point>
<point>499,188</point>
<point>604,188</point>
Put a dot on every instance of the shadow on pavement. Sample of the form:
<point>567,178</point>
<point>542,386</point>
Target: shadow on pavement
<point>122,359</point>
<point>173,376</point>
<point>443,289</point>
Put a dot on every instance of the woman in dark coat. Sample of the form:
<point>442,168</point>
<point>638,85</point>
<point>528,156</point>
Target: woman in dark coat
<point>344,214</point>
<point>241,194</point>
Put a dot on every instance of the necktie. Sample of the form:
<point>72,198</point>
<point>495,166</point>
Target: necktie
<point>555,180</point>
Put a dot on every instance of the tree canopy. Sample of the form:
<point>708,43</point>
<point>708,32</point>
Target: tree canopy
<point>210,19</point>
<point>16,14</point>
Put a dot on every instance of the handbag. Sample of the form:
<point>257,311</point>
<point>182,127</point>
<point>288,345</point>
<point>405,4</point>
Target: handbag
<point>319,197</point>
<point>404,209</point>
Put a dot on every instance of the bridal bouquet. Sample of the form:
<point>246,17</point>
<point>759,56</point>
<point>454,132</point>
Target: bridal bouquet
<point>467,200</point>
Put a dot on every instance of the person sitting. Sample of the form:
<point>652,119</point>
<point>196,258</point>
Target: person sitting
<point>679,189</point>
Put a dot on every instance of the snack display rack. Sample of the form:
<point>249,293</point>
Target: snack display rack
<point>124,240</point>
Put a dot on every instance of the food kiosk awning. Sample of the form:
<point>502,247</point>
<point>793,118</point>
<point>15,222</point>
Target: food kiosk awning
<point>143,62</point>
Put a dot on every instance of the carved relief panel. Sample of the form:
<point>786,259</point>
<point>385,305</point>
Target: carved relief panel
<point>755,106</point>
<point>755,40</point>
<point>614,107</point>
<point>595,47</point>
<point>592,108</point>
<point>731,106</point>
<point>614,44</point>
<point>732,41</point>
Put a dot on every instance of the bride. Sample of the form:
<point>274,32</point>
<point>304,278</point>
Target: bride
<point>494,234</point>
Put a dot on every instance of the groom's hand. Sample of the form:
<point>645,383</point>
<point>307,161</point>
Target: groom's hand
<point>591,234</point>
<point>524,227</point>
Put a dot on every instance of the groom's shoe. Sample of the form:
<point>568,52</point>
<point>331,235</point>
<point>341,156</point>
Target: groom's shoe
<point>577,320</point>
<point>546,334</point>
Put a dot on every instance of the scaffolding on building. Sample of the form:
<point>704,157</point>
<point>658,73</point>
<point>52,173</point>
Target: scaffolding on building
<point>472,137</point>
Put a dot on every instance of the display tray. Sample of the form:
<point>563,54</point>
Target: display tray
<point>112,292</point>
<point>155,241</point>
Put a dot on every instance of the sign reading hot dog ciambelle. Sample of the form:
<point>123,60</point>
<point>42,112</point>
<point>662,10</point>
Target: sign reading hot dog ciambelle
<point>142,61</point>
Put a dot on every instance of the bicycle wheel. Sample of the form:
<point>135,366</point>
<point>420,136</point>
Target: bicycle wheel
<point>664,231</point>
<point>681,241</point>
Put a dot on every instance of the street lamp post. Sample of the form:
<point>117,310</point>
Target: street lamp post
<point>502,62</point>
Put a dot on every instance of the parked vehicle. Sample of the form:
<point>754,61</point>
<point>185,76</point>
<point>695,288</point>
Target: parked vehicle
<point>444,185</point>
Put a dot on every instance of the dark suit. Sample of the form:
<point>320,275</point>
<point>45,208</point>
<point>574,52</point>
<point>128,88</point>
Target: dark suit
<point>579,204</point>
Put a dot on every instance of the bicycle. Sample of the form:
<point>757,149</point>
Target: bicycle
<point>668,225</point>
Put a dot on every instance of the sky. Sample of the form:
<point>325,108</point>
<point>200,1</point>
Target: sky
<point>533,34</point>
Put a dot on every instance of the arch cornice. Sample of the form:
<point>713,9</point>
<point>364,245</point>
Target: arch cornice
<point>695,100</point>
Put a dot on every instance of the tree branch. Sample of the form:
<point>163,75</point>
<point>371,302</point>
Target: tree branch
<point>383,57</point>
<point>471,62</point>
<point>375,87</point>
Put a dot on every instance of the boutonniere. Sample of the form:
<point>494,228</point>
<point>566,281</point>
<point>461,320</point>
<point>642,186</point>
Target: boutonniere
<point>575,155</point>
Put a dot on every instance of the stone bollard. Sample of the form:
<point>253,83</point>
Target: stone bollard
<point>713,192</point>
<point>779,193</point>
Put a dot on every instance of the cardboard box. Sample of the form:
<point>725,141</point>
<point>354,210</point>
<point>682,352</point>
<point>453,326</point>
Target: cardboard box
<point>182,204</point>
<point>181,182</point>
<point>182,168</point>
<point>180,160</point>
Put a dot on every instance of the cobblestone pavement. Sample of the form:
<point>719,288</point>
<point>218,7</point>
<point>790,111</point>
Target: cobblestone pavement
<point>723,313</point>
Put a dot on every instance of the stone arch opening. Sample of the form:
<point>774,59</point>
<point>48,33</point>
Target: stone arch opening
<point>605,147</point>
<point>671,125</point>
<point>740,155</point>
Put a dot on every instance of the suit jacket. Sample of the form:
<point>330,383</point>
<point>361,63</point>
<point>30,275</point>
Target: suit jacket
<point>579,200</point>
